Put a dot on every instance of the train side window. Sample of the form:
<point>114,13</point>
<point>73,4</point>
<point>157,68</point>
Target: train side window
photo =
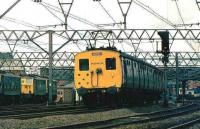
<point>110,63</point>
<point>84,64</point>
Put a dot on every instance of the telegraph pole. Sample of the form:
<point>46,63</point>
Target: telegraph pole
<point>50,65</point>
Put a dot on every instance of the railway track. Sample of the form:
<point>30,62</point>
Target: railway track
<point>11,107</point>
<point>185,124</point>
<point>35,108</point>
<point>135,119</point>
<point>36,113</point>
<point>29,106</point>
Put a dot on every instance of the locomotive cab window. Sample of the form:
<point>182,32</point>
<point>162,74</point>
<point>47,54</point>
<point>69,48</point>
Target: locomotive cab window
<point>110,63</point>
<point>84,64</point>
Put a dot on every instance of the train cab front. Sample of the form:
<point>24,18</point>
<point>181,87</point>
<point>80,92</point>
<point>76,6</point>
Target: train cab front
<point>97,71</point>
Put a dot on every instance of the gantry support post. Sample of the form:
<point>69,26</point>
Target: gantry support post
<point>50,66</point>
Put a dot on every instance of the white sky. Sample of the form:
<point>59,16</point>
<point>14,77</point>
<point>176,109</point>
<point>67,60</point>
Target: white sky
<point>138,18</point>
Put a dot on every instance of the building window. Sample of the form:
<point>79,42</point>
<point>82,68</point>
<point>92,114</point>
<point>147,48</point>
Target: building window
<point>110,63</point>
<point>84,64</point>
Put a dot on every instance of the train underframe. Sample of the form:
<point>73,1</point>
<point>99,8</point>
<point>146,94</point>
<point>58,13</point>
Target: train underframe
<point>117,97</point>
<point>36,98</point>
<point>24,99</point>
<point>9,99</point>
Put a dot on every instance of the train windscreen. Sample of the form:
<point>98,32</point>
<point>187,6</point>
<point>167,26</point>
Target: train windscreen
<point>110,63</point>
<point>84,64</point>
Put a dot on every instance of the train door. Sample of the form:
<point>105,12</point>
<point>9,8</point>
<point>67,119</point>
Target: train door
<point>0,86</point>
<point>125,71</point>
<point>158,87</point>
<point>142,76</point>
<point>147,78</point>
<point>150,78</point>
<point>136,76</point>
<point>133,78</point>
<point>154,80</point>
<point>161,81</point>
<point>129,74</point>
<point>139,75</point>
<point>158,77</point>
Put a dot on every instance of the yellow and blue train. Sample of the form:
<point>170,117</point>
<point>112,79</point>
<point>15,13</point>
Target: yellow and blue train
<point>106,75</point>
<point>24,89</point>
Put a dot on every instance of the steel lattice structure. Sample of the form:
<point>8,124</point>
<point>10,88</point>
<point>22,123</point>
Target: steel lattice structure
<point>99,35</point>
<point>65,59</point>
<point>114,34</point>
<point>198,2</point>
<point>188,62</point>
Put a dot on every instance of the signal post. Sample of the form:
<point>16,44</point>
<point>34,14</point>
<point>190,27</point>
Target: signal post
<point>165,59</point>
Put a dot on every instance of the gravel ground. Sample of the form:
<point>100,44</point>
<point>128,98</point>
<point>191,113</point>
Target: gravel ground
<point>50,121</point>
<point>163,124</point>
<point>196,126</point>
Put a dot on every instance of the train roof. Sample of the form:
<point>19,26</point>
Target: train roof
<point>99,49</point>
<point>9,74</point>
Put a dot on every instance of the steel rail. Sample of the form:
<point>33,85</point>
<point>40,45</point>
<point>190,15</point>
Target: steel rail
<point>187,124</point>
<point>56,112</point>
<point>134,119</point>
